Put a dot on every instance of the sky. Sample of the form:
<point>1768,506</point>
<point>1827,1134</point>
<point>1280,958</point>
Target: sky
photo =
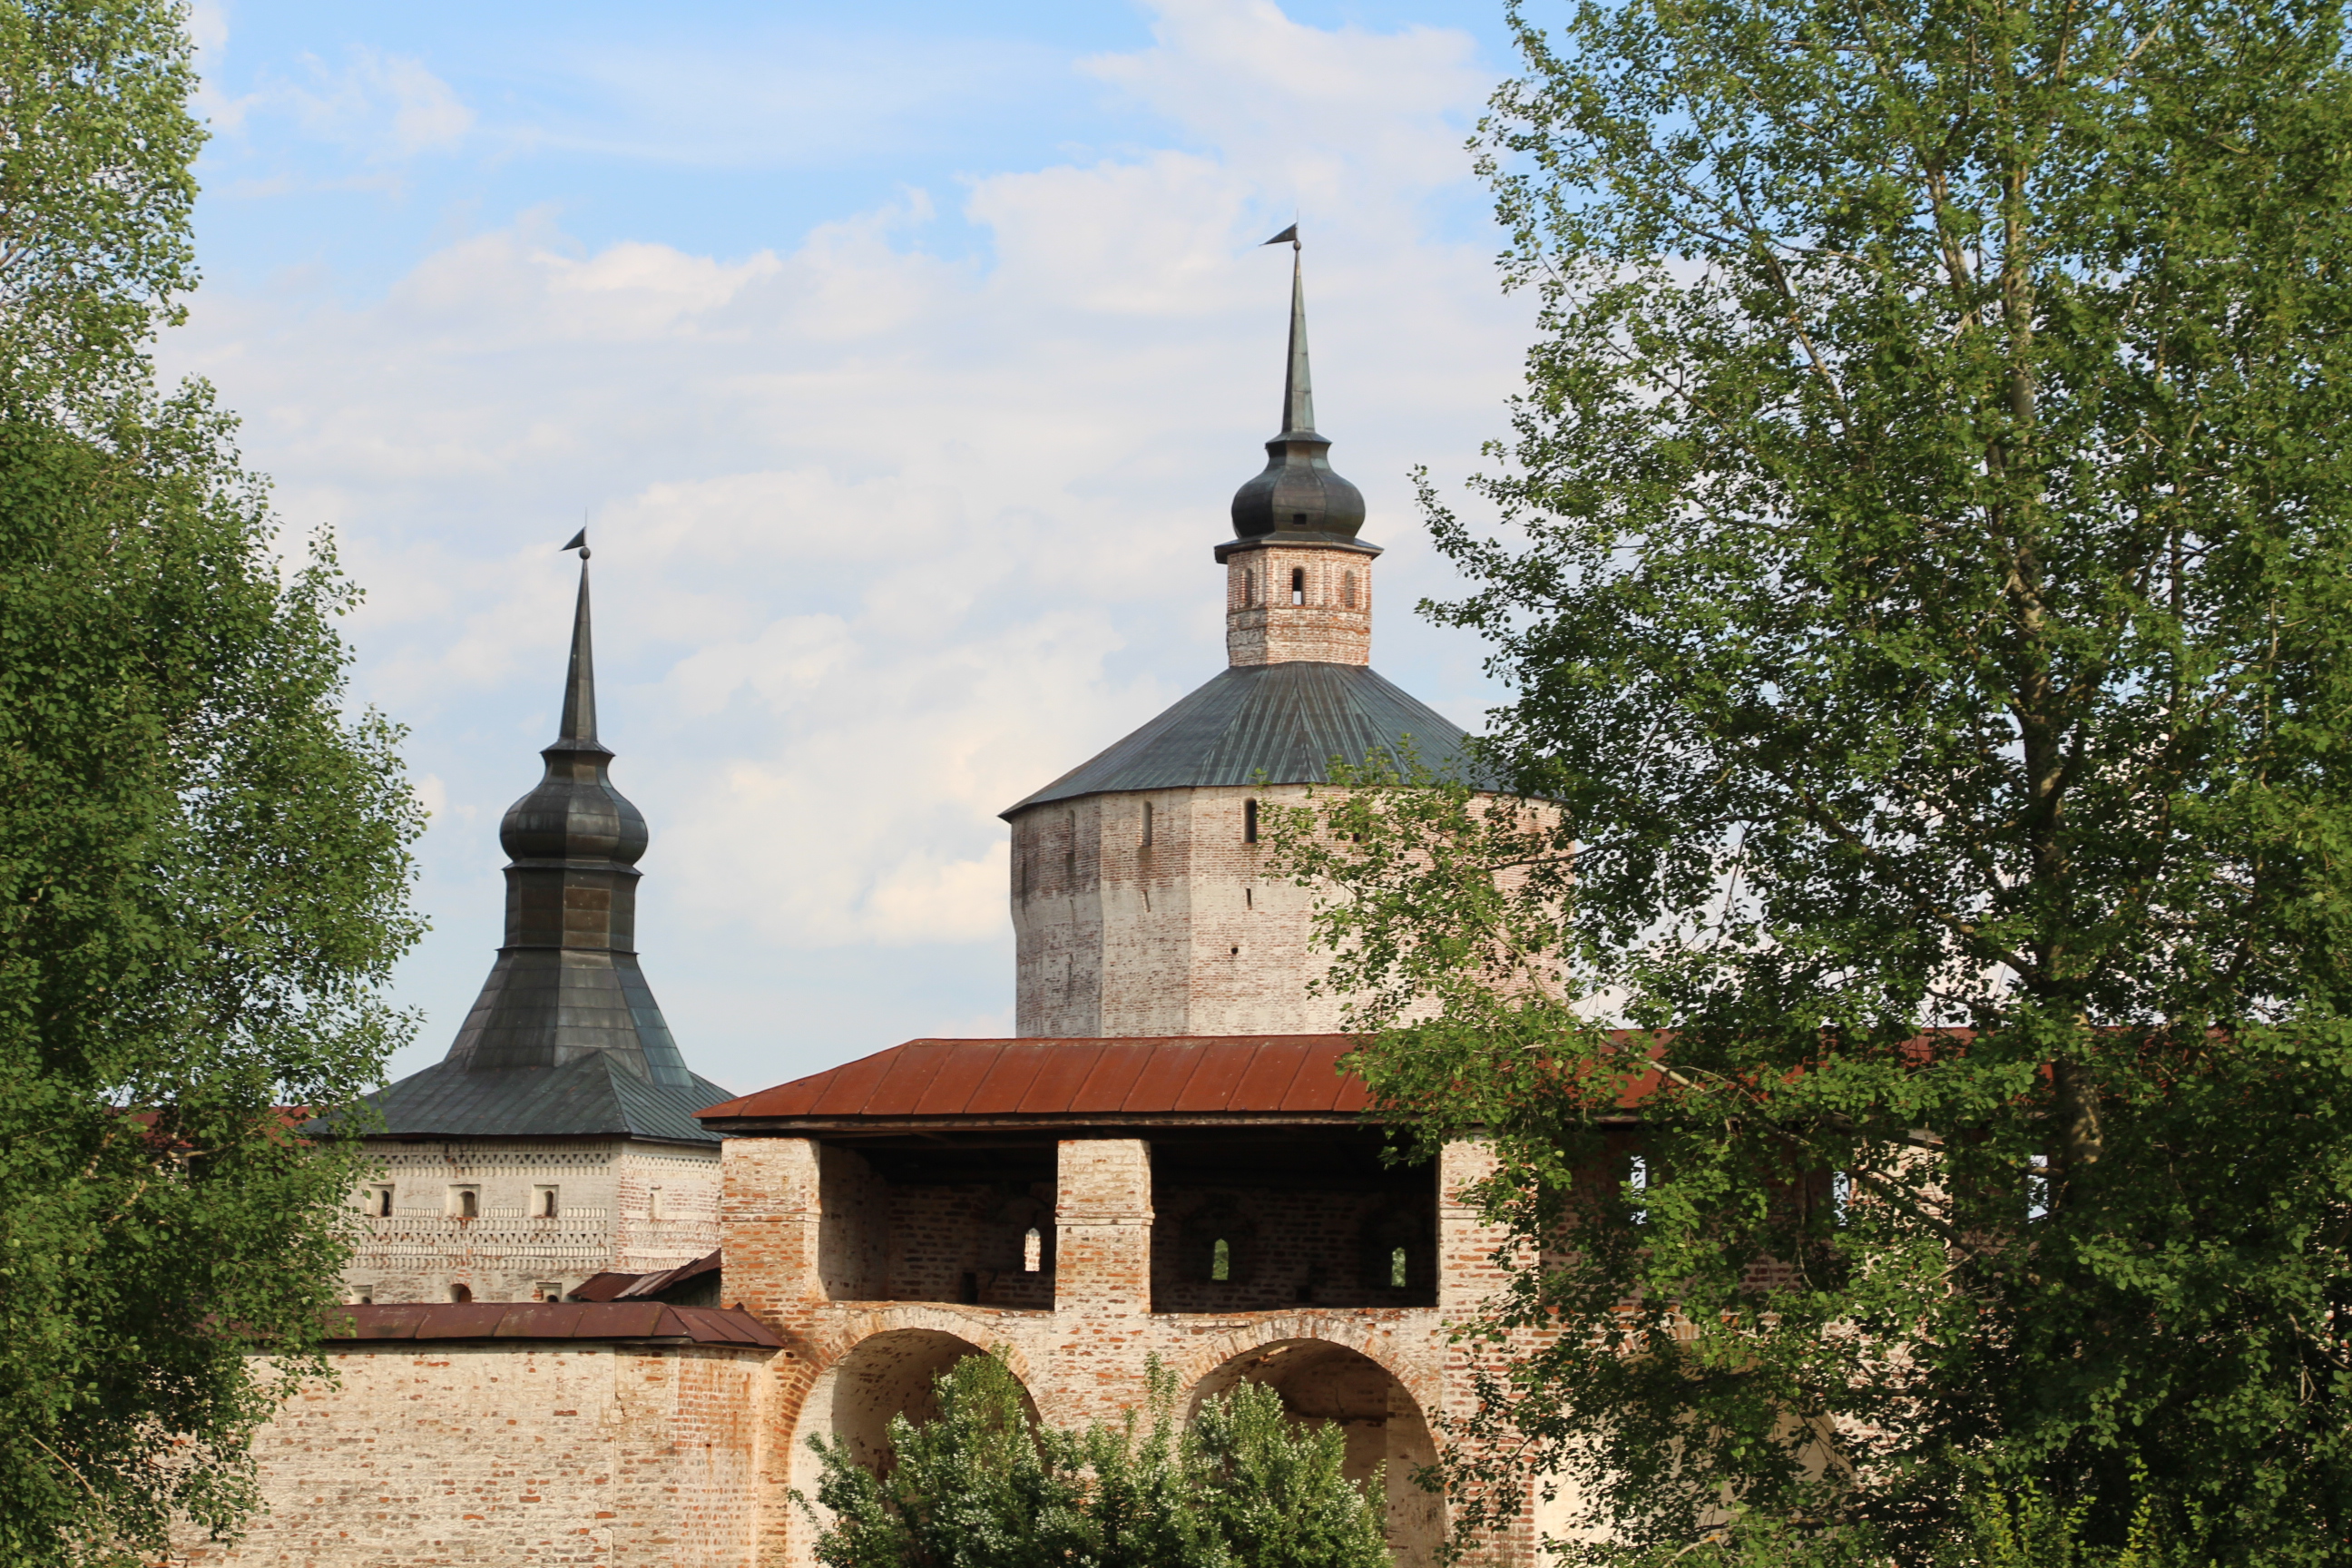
<point>902,360</point>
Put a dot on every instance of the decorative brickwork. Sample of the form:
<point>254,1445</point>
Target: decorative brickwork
<point>620,1204</point>
<point>1285,603</point>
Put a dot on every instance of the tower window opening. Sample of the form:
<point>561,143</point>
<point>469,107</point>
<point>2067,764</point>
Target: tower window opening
<point>1298,585</point>
<point>542,1203</point>
<point>1249,899</point>
<point>380,1202</point>
<point>1347,589</point>
<point>1221,1260</point>
<point>1249,822</point>
<point>1033,1250</point>
<point>1070,854</point>
<point>461,1292</point>
<point>1146,825</point>
<point>466,1202</point>
<point>1399,1274</point>
<point>1249,587</point>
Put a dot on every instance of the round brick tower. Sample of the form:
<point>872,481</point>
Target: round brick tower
<point>1141,904</point>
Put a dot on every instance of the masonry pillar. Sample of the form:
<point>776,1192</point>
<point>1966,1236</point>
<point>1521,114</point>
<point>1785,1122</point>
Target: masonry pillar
<point>1468,1274</point>
<point>770,1218</point>
<point>1102,1279</point>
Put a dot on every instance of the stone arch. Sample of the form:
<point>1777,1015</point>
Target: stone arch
<point>1324,1383</point>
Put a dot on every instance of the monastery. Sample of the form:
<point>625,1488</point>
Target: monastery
<point>601,1304</point>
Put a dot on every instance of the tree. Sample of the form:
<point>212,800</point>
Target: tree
<point>981,1486</point>
<point>1914,1030</point>
<point>202,857</point>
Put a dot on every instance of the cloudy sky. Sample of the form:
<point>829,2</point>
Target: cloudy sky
<point>902,359</point>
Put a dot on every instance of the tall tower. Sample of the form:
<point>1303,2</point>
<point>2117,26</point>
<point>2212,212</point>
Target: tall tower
<point>1140,903</point>
<point>557,1139</point>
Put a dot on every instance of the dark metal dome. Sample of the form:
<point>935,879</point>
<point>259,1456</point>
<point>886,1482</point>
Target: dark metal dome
<point>1298,497</point>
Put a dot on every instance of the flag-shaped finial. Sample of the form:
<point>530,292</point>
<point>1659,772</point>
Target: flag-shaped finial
<point>1291,234</point>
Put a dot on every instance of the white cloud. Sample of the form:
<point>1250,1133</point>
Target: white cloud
<point>884,540</point>
<point>384,108</point>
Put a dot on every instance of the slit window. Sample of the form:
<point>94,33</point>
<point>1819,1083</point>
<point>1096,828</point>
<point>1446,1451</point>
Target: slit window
<point>1249,822</point>
<point>1033,1251</point>
<point>1221,1260</point>
<point>1146,825</point>
<point>1298,585</point>
<point>380,1201</point>
<point>1070,856</point>
<point>542,1203</point>
<point>1249,587</point>
<point>1399,1270</point>
<point>1347,589</point>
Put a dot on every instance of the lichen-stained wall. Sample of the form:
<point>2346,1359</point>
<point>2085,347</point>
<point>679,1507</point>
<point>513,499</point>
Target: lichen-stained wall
<point>621,1204</point>
<point>1175,926</point>
<point>474,1453</point>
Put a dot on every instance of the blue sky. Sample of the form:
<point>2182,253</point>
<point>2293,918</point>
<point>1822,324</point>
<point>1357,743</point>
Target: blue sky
<point>902,358</point>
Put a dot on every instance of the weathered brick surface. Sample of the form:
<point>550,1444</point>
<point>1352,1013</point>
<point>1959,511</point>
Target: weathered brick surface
<point>1189,934</point>
<point>1326,618</point>
<point>620,1204</point>
<point>511,1455</point>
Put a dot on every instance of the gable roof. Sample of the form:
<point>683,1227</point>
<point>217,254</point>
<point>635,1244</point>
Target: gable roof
<point>1284,721</point>
<point>1170,1080</point>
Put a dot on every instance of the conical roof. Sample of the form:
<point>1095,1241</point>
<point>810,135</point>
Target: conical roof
<point>1278,723</point>
<point>566,1038</point>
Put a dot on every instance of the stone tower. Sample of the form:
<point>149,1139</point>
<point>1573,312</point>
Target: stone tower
<point>557,1140</point>
<point>1140,906</point>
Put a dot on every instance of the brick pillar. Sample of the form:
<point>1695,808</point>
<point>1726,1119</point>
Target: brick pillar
<point>770,1216</point>
<point>1102,1279</point>
<point>1466,1277</point>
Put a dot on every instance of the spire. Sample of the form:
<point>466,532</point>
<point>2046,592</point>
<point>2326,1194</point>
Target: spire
<point>1298,387</point>
<point>1297,498</point>
<point>580,685</point>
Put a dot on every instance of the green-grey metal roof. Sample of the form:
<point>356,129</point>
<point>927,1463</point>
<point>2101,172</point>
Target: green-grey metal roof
<point>1283,722</point>
<point>594,1095</point>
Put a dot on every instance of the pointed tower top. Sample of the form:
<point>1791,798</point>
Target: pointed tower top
<point>580,684</point>
<point>1297,500</point>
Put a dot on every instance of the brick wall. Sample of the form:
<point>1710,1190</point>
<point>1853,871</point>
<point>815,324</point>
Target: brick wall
<point>508,1455</point>
<point>621,1204</point>
<point>1179,931</point>
<point>1288,1249</point>
<point>1333,625</point>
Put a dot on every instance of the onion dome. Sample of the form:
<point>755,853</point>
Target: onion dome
<point>1298,498</point>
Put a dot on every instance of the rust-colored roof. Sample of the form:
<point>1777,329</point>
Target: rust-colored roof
<point>549,1321</point>
<point>1185,1077</point>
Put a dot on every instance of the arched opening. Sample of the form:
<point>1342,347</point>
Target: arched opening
<point>1298,585</point>
<point>853,1400</point>
<point>1324,1384</point>
<point>461,1292</point>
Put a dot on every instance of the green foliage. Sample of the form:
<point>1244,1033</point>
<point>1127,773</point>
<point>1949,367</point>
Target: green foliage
<point>1926,576</point>
<point>981,1487</point>
<point>204,857</point>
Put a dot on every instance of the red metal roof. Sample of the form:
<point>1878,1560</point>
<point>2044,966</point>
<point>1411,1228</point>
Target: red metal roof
<point>547,1320</point>
<point>1189,1075</point>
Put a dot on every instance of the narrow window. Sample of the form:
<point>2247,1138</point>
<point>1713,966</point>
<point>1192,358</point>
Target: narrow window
<point>466,1203</point>
<point>1397,1269</point>
<point>1298,585</point>
<point>461,1292</point>
<point>1249,587</point>
<point>1033,1251</point>
<point>1221,1260</point>
<point>1022,857</point>
<point>1637,1179</point>
<point>1070,857</point>
<point>1347,589</point>
<point>1249,822</point>
<point>380,1202</point>
<point>1249,898</point>
<point>1146,825</point>
<point>542,1202</point>
<point>653,1203</point>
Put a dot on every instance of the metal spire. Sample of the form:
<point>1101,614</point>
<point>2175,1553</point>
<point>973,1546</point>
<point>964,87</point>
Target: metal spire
<point>1298,389</point>
<point>580,685</point>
